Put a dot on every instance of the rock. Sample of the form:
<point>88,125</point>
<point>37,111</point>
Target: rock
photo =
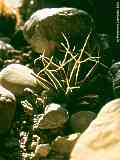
<point>42,150</point>
<point>5,50</point>
<point>17,77</point>
<point>43,30</point>
<point>115,71</point>
<point>101,140</point>
<point>7,109</point>
<point>33,146</point>
<point>27,156</point>
<point>55,116</point>
<point>36,138</point>
<point>35,141</point>
<point>5,46</point>
<point>64,145</point>
<point>27,107</point>
<point>80,121</point>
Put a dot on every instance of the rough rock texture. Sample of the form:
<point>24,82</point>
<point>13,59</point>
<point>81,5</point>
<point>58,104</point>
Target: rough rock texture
<point>7,109</point>
<point>55,116</point>
<point>115,71</point>
<point>102,138</point>
<point>42,150</point>
<point>80,121</point>
<point>44,28</point>
<point>64,145</point>
<point>17,77</point>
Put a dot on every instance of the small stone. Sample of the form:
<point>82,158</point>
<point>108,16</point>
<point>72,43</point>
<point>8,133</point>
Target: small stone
<point>101,140</point>
<point>28,109</point>
<point>5,48</point>
<point>25,156</point>
<point>35,138</point>
<point>80,121</point>
<point>23,133</point>
<point>33,146</point>
<point>64,145</point>
<point>17,77</point>
<point>36,119</point>
<point>54,116</point>
<point>32,156</point>
<point>7,109</point>
<point>42,150</point>
<point>6,52</point>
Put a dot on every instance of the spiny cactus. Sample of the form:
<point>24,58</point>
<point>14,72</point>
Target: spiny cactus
<point>70,77</point>
<point>64,75</point>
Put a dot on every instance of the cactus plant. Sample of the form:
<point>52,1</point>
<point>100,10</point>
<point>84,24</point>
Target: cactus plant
<point>62,77</point>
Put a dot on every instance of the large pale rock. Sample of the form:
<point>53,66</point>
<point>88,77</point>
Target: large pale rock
<point>43,30</point>
<point>102,138</point>
<point>17,77</point>
<point>7,109</point>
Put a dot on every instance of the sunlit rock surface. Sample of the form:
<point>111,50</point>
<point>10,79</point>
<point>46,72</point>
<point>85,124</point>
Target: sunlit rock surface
<point>44,29</point>
<point>55,116</point>
<point>102,138</point>
<point>17,77</point>
<point>64,145</point>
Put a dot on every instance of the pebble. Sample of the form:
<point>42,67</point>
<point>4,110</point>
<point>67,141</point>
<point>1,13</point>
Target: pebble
<point>33,145</point>
<point>64,145</point>
<point>54,116</point>
<point>42,150</point>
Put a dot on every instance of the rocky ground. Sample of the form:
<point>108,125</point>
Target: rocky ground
<point>46,104</point>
